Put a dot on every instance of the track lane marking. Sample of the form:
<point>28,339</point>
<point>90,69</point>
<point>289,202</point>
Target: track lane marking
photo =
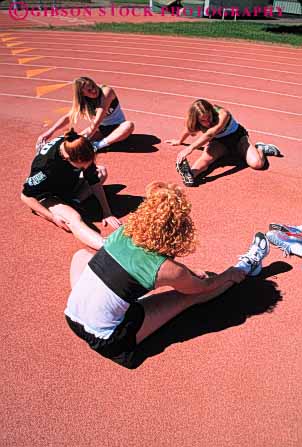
<point>218,100</point>
<point>139,38</point>
<point>162,77</point>
<point>180,52</point>
<point>44,89</point>
<point>25,60</point>
<point>143,112</point>
<point>37,71</point>
<point>157,56</point>
<point>56,43</point>
<point>177,94</point>
<point>21,50</point>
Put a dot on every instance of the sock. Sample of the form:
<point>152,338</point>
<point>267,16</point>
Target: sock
<point>242,265</point>
<point>101,144</point>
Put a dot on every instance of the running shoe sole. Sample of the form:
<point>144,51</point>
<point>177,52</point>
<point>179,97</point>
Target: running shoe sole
<point>259,238</point>
<point>187,176</point>
<point>283,228</point>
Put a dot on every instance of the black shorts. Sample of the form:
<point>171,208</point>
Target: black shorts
<point>121,345</point>
<point>231,141</point>
<point>107,130</point>
<point>51,200</point>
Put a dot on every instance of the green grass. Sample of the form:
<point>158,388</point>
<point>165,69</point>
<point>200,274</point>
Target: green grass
<point>285,34</point>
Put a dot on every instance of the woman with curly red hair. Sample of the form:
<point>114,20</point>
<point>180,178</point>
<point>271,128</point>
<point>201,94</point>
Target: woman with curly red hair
<point>104,307</point>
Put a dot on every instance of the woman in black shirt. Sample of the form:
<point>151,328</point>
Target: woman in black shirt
<point>64,173</point>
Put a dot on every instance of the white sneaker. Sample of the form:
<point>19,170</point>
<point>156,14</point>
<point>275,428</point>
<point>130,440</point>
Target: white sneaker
<point>268,149</point>
<point>251,262</point>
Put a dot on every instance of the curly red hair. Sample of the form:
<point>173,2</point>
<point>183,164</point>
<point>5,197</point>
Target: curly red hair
<point>162,223</point>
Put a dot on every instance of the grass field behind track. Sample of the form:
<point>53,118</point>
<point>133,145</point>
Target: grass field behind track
<point>281,34</point>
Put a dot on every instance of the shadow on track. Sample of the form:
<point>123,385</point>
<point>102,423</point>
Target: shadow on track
<point>254,296</point>
<point>136,143</point>
<point>120,204</point>
<point>235,165</point>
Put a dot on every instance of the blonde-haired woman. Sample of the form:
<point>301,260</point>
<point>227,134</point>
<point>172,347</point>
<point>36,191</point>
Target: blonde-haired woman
<point>218,134</point>
<point>100,106</point>
<point>104,307</point>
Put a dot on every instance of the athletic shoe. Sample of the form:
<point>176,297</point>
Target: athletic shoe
<point>290,244</point>
<point>184,170</point>
<point>285,228</point>
<point>251,262</point>
<point>268,149</point>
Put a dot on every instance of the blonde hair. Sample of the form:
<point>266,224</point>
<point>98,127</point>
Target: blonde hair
<point>197,110</point>
<point>162,223</point>
<point>81,105</point>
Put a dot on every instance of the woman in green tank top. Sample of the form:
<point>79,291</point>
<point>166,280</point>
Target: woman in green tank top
<point>139,257</point>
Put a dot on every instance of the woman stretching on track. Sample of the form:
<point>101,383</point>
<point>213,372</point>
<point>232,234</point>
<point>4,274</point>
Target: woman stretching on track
<point>104,307</point>
<point>218,134</point>
<point>100,106</point>
<point>55,188</point>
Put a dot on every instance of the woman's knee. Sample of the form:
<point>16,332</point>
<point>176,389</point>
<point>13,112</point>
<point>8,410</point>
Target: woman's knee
<point>129,127</point>
<point>79,261</point>
<point>256,163</point>
<point>81,257</point>
<point>201,164</point>
<point>254,158</point>
<point>67,213</point>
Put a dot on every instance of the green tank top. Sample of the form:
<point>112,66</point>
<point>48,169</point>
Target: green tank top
<point>140,263</point>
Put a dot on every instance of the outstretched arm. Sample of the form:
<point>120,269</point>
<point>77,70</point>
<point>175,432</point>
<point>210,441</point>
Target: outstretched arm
<point>96,176</point>
<point>109,96</point>
<point>177,142</point>
<point>179,277</point>
<point>205,137</point>
<point>61,123</point>
<point>108,218</point>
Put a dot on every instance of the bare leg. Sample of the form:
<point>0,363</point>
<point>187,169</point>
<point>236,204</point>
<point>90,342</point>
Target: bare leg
<point>79,261</point>
<point>255,158</point>
<point>121,132</point>
<point>161,308</point>
<point>212,152</point>
<point>77,226</point>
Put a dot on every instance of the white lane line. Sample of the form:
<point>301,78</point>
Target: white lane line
<point>222,51</point>
<point>193,81</point>
<point>178,67</point>
<point>152,76</point>
<point>210,99</point>
<point>143,54</point>
<point>167,93</point>
<point>285,49</point>
<point>39,98</point>
<point>203,53</point>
